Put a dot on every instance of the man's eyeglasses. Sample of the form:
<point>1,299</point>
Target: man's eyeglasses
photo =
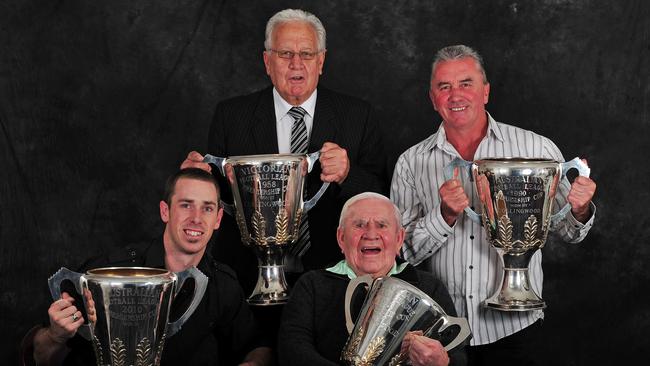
<point>304,55</point>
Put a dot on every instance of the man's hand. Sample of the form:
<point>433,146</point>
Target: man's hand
<point>195,160</point>
<point>334,163</point>
<point>453,199</point>
<point>423,351</point>
<point>581,193</point>
<point>260,356</point>
<point>65,319</point>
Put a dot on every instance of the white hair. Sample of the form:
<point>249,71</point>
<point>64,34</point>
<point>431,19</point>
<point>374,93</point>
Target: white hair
<point>368,195</point>
<point>294,15</point>
<point>458,52</point>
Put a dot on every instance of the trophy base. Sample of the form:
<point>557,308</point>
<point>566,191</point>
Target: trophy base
<point>514,305</point>
<point>268,299</point>
<point>271,288</point>
<point>515,293</point>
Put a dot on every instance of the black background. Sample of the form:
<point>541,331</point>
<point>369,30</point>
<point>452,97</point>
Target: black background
<point>101,100</point>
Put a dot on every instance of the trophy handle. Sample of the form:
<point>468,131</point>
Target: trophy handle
<point>464,333</point>
<point>54,283</point>
<point>219,163</point>
<point>200,285</point>
<point>464,166</point>
<point>311,160</point>
<point>352,286</point>
<point>584,171</point>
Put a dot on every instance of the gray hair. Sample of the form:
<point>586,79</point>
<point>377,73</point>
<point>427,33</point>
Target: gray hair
<point>295,15</point>
<point>367,195</point>
<point>458,52</point>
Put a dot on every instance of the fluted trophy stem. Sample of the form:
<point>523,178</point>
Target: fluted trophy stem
<point>516,292</point>
<point>271,287</point>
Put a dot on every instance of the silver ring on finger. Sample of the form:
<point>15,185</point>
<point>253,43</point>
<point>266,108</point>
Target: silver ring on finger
<point>74,317</point>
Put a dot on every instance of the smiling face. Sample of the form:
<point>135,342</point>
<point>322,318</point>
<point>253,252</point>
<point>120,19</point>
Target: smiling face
<point>191,217</point>
<point>370,237</point>
<point>294,79</point>
<point>459,93</point>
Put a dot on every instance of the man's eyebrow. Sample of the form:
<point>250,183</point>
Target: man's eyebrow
<point>212,203</point>
<point>466,80</point>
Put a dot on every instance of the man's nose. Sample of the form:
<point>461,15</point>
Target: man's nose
<point>371,232</point>
<point>296,61</point>
<point>454,92</point>
<point>195,215</point>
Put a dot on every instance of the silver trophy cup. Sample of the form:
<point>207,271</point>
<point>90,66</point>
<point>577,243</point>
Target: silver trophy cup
<point>391,309</point>
<point>516,197</point>
<point>127,310</point>
<point>268,207</point>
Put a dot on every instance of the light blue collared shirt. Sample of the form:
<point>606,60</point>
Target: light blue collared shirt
<point>343,268</point>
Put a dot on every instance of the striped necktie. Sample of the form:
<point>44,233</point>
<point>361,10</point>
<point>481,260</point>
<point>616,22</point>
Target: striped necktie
<point>299,144</point>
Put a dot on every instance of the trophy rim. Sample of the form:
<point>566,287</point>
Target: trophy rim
<point>132,273</point>
<point>264,158</point>
<point>516,160</point>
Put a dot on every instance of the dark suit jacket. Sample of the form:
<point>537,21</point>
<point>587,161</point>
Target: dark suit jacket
<point>246,125</point>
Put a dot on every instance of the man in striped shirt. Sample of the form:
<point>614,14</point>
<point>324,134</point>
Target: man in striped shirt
<point>448,243</point>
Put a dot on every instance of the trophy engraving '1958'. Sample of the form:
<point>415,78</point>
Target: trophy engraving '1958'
<point>268,208</point>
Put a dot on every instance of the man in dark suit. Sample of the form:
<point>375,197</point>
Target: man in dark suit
<point>341,127</point>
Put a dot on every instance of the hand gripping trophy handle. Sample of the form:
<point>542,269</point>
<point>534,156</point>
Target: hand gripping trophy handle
<point>54,283</point>
<point>200,286</point>
<point>465,167</point>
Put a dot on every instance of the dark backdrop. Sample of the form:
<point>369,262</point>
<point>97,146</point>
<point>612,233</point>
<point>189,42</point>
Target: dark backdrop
<point>101,100</point>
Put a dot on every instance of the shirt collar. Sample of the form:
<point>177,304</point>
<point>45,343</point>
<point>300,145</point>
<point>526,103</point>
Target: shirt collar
<point>343,268</point>
<point>282,107</point>
<point>154,257</point>
<point>439,139</point>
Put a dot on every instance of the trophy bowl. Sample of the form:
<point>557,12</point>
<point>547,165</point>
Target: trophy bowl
<point>268,208</point>
<point>516,197</point>
<point>128,308</point>
<point>391,309</point>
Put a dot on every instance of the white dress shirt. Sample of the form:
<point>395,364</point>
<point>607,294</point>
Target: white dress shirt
<point>461,256</point>
<point>284,121</point>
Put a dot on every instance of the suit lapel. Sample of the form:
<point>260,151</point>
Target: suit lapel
<point>264,127</point>
<point>324,126</point>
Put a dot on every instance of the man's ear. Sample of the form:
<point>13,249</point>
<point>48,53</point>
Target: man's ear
<point>321,62</point>
<point>339,238</point>
<point>164,211</point>
<point>265,57</point>
<point>432,98</point>
<point>400,238</point>
<point>219,217</point>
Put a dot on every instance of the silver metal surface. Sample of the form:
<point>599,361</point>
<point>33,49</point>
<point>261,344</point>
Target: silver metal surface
<point>392,308</point>
<point>516,197</point>
<point>127,310</point>
<point>268,207</point>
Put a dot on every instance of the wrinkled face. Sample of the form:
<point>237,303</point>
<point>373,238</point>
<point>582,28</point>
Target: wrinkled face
<point>191,217</point>
<point>295,79</point>
<point>458,93</point>
<point>370,237</point>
